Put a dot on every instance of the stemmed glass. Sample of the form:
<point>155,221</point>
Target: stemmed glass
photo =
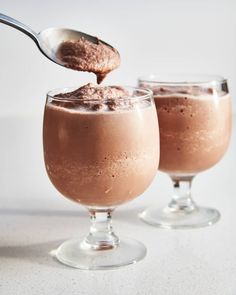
<point>101,159</point>
<point>194,113</point>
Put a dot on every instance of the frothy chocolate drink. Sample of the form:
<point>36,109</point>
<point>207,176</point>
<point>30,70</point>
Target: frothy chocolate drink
<point>91,97</point>
<point>83,55</point>
<point>100,156</point>
<point>195,127</point>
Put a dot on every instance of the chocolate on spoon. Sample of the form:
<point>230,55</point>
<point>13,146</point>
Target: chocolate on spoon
<point>71,49</point>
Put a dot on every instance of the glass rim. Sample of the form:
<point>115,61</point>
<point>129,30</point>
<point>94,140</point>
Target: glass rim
<point>147,93</point>
<point>182,79</point>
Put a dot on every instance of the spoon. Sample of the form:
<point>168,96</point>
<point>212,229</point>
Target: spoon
<point>49,39</point>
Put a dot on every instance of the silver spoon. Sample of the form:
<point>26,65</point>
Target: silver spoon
<point>48,40</point>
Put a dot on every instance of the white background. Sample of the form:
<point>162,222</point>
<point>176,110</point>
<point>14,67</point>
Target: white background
<point>153,36</point>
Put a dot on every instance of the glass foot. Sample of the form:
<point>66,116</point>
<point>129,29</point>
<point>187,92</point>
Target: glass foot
<point>176,219</point>
<point>75,254</point>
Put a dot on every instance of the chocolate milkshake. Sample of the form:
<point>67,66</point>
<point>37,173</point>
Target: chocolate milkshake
<point>84,55</point>
<point>101,149</point>
<point>194,114</point>
<point>195,127</point>
<point>101,144</point>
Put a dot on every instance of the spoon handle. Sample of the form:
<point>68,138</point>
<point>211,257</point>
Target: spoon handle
<point>7,20</point>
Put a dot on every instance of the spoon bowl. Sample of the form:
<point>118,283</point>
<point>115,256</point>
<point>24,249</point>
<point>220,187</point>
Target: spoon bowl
<point>49,39</point>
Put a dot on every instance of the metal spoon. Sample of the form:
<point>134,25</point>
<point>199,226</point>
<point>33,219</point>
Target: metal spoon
<point>48,40</point>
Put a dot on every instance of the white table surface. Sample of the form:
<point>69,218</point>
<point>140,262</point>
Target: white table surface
<point>35,219</point>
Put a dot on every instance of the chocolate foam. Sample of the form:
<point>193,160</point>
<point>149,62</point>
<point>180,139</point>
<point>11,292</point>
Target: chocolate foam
<point>194,90</point>
<point>93,98</point>
<point>83,55</point>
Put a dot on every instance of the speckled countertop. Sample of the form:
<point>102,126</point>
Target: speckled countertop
<point>35,219</point>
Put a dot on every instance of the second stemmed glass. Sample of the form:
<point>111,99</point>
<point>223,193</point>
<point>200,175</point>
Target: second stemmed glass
<point>101,159</point>
<point>194,113</point>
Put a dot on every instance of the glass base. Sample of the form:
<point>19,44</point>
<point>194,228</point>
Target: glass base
<point>177,219</point>
<point>75,254</point>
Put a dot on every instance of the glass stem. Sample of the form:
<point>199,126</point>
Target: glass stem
<point>182,200</point>
<point>101,235</point>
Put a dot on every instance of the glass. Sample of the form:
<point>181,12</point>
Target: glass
<point>194,114</point>
<point>101,159</point>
